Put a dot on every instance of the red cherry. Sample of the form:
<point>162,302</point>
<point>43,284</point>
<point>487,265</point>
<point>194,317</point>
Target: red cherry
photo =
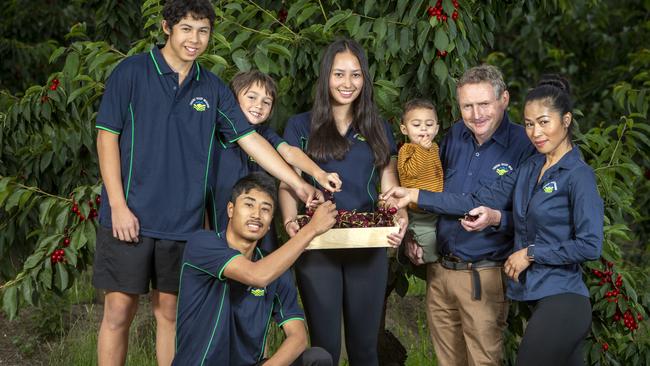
<point>66,242</point>
<point>82,217</point>
<point>454,16</point>
<point>98,200</point>
<point>439,17</point>
<point>639,317</point>
<point>54,86</point>
<point>617,317</point>
<point>605,346</point>
<point>392,210</point>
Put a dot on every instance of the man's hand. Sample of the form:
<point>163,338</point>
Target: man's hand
<point>291,227</point>
<point>400,197</point>
<point>324,218</point>
<point>126,226</point>
<point>329,181</point>
<point>516,264</point>
<point>486,217</point>
<point>414,252</point>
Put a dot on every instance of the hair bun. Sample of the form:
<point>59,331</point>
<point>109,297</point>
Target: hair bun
<point>555,80</point>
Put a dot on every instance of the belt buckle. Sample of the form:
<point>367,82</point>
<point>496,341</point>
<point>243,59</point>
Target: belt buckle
<point>453,258</point>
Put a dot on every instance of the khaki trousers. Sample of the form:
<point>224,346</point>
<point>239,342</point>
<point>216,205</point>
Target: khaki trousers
<point>465,331</point>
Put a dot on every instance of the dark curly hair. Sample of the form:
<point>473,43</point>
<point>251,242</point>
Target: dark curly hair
<point>175,10</point>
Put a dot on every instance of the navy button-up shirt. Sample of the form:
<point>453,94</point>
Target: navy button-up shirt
<point>469,166</point>
<point>562,216</point>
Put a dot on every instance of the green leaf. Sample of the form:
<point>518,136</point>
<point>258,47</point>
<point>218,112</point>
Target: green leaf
<point>56,54</point>
<point>335,20</point>
<point>44,209</point>
<point>71,67</point>
<point>13,199</point>
<point>45,276</point>
<point>368,5</point>
<point>379,27</point>
<point>10,301</point>
<point>70,256</point>
<point>78,238</point>
<point>352,24</point>
<point>77,92</point>
<point>61,281</point>
<point>240,59</point>
<point>440,69</point>
<point>441,41</point>
<point>279,50</point>
<point>306,14</point>
<point>28,291</point>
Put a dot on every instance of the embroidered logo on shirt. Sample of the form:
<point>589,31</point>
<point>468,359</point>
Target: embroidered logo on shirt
<point>502,168</point>
<point>359,137</point>
<point>200,104</point>
<point>257,291</point>
<point>550,187</point>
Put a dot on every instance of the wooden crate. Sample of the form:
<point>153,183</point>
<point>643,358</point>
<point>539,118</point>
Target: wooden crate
<point>363,237</point>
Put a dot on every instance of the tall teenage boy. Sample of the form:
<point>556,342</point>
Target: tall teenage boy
<point>157,122</point>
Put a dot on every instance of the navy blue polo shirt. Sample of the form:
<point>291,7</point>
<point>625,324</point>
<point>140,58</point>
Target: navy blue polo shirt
<point>562,216</point>
<point>233,163</point>
<point>469,166</point>
<point>357,170</point>
<point>166,137</point>
<point>221,321</point>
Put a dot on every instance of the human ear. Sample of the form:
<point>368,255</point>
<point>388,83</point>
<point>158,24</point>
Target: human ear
<point>403,129</point>
<point>231,209</point>
<point>566,119</point>
<point>165,27</point>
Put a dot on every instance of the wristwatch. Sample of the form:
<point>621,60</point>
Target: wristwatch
<point>530,252</point>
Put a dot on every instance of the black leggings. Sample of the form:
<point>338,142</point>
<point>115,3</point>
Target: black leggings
<point>556,331</point>
<point>348,282</point>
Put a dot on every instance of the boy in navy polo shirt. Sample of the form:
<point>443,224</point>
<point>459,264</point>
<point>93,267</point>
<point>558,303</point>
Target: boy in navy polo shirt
<point>157,123</point>
<point>256,93</point>
<point>230,290</point>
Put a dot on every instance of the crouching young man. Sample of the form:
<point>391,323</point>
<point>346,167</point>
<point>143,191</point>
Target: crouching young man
<point>230,290</point>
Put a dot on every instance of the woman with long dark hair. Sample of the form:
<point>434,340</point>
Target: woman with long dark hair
<point>344,134</point>
<point>558,221</point>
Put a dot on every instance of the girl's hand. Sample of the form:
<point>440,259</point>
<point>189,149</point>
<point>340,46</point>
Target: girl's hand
<point>329,181</point>
<point>516,264</point>
<point>395,239</point>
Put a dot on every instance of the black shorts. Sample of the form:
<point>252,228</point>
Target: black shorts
<point>133,268</point>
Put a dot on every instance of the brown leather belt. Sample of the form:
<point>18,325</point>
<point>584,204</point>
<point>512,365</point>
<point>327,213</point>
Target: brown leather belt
<point>456,264</point>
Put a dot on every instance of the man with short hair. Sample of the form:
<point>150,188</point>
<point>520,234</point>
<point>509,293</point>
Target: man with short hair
<point>466,305</point>
<point>156,130</point>
<point>230,289</point>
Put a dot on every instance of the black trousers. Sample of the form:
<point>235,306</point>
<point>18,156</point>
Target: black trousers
<point>556,331</point>
<point>347,282</point>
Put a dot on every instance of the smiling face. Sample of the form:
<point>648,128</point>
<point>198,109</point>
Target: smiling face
<point>346,79</point>
<point>187,40</point>
<point>251,215</point>
<point>482,109</point>
<point>256,103</point>
<point>420,125</point>
<point>546,128</point>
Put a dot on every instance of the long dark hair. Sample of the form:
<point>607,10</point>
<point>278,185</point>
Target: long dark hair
<point>325,141</point>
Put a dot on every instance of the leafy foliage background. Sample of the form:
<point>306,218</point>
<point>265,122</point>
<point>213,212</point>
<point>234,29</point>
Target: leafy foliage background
<point>56,56</point>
